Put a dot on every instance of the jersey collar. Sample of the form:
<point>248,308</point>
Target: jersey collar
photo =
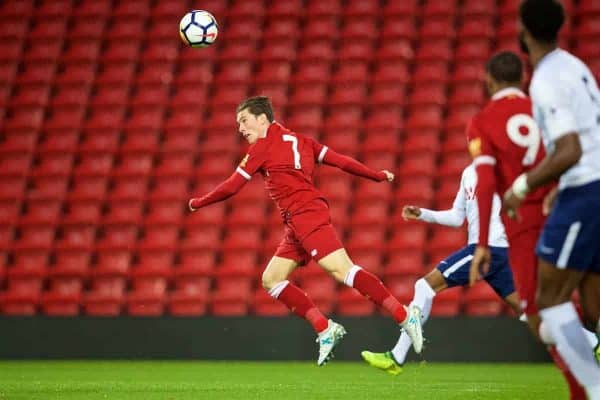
<point>509,91</point>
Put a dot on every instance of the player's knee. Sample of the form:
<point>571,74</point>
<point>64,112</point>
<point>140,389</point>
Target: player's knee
<point>338,272</point>
<point>269,280</point>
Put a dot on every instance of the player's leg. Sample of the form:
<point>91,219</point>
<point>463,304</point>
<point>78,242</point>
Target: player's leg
<point>425,290</point>
<point>500,278</point>
<point>514,302</point>
<point>274,280</point>
<point>589,290</point>
<point>329,253</point>
<point>562,325</point>
<point>452,271</point>
<point>324,245</point>
<point>341,267</point>
<point>524,264</point>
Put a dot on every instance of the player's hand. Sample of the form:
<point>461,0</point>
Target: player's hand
<point>192,209</point>
<point>388,175</point>
<point>511,204</point>
<point>480,264</point>
<point>549,201</point>
<point>411,212</point>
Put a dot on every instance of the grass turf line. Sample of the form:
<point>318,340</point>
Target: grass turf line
<point>167,380</point>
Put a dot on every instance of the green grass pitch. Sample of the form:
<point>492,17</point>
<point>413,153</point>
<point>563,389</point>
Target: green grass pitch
<point>168,380</point>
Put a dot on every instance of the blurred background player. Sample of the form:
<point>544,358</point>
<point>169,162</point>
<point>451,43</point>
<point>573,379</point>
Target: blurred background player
<point>566,106</point>
<point>286,161</point>
<point>505,141</point>
<point>454,270</point>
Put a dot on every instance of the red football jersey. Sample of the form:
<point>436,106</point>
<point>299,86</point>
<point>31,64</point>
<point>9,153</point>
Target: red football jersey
<point>286,160</point>
<point>505,134</point>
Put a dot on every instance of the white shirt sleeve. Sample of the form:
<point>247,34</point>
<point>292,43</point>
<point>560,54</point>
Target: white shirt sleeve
<point>553,102</point>
<point>453,217</point>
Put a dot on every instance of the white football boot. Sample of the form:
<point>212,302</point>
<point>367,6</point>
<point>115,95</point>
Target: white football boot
<point>412,326</point>
<point>327,340</point>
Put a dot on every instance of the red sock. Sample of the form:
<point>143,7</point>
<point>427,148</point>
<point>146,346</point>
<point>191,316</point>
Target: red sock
<point>300,304</point>
<point>576,391</point>
<point>372,288</point>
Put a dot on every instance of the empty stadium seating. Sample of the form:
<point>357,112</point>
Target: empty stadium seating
<point>108,124</point>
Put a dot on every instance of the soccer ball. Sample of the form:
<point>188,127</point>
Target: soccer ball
<point>198,28</point>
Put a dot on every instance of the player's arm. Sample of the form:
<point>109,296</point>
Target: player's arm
<point>484,161</point>
<point>561,126</point>
<point>567,152</point>
<point>223,191</point>
<point>327,156</point>
<point>251,163</point>
<point>453,217</point>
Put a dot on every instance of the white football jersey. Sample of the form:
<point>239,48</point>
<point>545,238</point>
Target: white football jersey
<point>465,205</point>
<point>566,99</point>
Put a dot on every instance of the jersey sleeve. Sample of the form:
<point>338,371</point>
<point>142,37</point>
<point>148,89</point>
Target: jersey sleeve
<point>554,104</point>
<point>480,147</point>
<point>252,162</point>
<point>319,150</point>
<point>484,161</point>
<point>453,217</point>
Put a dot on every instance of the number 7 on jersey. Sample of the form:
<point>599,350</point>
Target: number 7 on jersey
<point>294,140</point>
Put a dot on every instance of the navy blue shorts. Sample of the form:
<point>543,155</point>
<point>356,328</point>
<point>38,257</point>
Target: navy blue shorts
<point>456,269</point>
<point>571,236</point>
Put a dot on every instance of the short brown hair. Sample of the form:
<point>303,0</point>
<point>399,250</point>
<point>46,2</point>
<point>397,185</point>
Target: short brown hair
<point>505,67</point>
<point>256,106</point>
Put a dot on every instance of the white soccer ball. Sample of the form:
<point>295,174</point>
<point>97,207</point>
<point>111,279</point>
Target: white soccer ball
<point>198,28</point>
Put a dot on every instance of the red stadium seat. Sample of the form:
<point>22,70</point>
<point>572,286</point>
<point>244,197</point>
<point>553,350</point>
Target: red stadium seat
<point>473,50</point>
<point>447,240</point>
<point>230,302</point>
<point>324,28</point>
<point>434,51</point>
<point>352,303</point>
<point>478,8</point>
<point>402,288</point>
<point>317,9</point>
<point>148,297</point>
<point>21,297</point>
<point>88,188</point>
<point>316,51</point>
<point>477,28</point>
<point>281,29</point>
<point>63,298</point>
<point>481,300</point>
<point>106,297</point>
<point>387,95</point>
<point>355,52</point>
<point>395,51</point>
<point>405,263</point>
<point>447,303</point>
<point>118,73</point>
<point>59,145</point>
<point>401,9</point>
<point>265,305</point>
<point>437,28</point>
<point>375,212</point>
<point>439,9</point>
<point>428,95</point>
<point>283,10</point>
<point>431,74</point>
<point>189,299</point>
<point>367,238</point>
<point>411,237</point>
